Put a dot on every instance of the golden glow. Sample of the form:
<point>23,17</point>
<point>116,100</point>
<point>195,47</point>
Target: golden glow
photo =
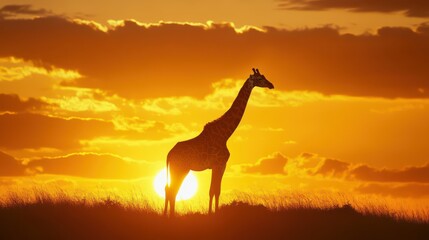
<point>106,102</point>
<point>187,190</point>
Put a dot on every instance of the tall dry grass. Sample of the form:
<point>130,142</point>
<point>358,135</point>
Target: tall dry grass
<point>136,199</point>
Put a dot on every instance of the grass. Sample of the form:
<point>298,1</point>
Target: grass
<point>57,215</point>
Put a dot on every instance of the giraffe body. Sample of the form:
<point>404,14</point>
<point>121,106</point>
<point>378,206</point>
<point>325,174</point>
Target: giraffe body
<point>208,152</point>
<point>209,149</point>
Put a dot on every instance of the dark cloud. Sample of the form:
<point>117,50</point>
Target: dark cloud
<point>307,155</point>
<point>412,8</point>
<point>332,167</point>
<point>27,130</point>
<point>423,28</point>
<point>12,103</point>
<point>32,130</point>
<point>14,10</point>
<point>410,174</point>
<point>88,165</point>
<point>412,190</point>
<point>9,166</point>
<point>337,168</point>
<point>177,59</point>
<point>269,165</point>
<point>91,165</point>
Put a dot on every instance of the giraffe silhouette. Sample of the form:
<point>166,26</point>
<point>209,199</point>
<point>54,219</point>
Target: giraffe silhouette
<point>208,150</point>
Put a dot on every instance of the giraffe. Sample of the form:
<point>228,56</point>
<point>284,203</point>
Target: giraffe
<point>209,150</point>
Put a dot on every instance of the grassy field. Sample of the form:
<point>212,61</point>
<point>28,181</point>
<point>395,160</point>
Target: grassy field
<point>48,216</point>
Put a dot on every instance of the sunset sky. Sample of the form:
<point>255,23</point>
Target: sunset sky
<point>95,93</point>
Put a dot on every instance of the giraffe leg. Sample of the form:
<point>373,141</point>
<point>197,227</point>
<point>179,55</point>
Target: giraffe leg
<point>215,186</point>
<point>210,201</point>
<point>211,192</point>
<point>177,175</point>
<point>167,197</point>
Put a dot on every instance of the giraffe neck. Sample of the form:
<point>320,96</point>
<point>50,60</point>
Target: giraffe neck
<point>225,126</point>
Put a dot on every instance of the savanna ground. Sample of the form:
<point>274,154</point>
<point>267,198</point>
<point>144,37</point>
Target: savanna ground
<point>59,215</point>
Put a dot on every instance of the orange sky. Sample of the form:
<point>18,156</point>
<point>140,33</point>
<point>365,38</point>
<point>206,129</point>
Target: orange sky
<point>98,93</point>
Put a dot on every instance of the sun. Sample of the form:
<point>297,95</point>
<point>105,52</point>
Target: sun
<point>187,190</point>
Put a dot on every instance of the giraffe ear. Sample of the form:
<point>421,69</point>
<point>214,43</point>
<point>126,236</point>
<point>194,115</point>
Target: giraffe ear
<point>254,71</point>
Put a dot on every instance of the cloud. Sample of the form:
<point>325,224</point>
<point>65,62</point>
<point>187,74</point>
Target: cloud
<point>84,101</point>
<point>9,11</point>
<point>27,130</point>
<point>223,94</point>
<point>273,164</point>
<point>352,172</point>
<point>91,165</point>
<point>33,132</point>
<point>310,164</point>
<point>409,174</point>
<point>395,190</point>
<point>138,61</point>
<point>13,69</point>
<point>332,167</point>
<point>9,166</point>
<point>307,155</point>
<point>412,8</point>
<point>88,165</point>
<point>12,103</point>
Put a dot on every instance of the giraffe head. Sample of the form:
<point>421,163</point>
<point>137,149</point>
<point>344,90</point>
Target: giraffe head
<point>259,80</point>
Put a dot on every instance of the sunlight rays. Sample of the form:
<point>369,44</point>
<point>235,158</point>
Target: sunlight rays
<point>187,190</point>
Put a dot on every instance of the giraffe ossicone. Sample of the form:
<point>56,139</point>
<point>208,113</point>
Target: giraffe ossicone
<point>208,150</point>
